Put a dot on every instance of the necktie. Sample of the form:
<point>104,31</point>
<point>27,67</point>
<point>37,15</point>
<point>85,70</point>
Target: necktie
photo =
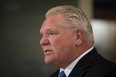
<point>62,74</point>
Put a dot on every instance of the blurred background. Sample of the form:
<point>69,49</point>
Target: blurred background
<point>20,21</point>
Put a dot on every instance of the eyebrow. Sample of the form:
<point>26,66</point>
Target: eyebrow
<point>47,30</point>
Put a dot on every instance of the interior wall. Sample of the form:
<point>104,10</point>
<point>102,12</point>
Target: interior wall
<point>20,52</point>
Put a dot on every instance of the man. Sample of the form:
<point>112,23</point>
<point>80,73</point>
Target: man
<point>67,42</point>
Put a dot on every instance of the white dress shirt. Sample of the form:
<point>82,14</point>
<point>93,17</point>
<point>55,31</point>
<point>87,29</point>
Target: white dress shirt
<point>70,67</point>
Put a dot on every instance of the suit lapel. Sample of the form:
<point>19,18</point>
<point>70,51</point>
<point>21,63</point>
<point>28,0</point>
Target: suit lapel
<point>84,64</point>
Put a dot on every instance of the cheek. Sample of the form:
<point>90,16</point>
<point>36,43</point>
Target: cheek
<point>57,45</point>
<point>61,45</point>
<point>56,42</point>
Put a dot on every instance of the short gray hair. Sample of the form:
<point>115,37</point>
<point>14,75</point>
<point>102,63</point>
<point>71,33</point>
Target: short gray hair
<point>75,17</point>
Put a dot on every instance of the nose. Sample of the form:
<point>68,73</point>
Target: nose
<point>44,41</point>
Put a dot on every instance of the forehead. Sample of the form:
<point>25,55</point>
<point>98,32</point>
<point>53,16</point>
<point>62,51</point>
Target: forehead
<point>54,21</point>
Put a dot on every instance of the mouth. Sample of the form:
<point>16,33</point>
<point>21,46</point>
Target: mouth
<point>47,52</point>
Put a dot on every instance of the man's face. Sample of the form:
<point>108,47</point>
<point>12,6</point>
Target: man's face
<point>57,41</point>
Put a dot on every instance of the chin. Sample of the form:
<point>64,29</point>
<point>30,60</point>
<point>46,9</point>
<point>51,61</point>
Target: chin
<point>48,61</point>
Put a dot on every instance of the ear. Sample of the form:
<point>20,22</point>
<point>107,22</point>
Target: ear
<point>79,37</point>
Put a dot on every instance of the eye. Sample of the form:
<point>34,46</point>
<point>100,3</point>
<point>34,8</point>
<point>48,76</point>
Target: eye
<point>52,33</point>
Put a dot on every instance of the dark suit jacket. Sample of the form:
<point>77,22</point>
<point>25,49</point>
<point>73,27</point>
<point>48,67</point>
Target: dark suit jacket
<point>92,65</point>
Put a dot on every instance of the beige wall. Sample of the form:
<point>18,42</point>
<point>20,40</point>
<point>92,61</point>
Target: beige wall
<point>112,40</point>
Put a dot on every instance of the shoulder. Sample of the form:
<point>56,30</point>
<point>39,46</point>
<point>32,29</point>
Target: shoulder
<point>100,61</point>
<point>95,65</point>
<point>102,67</point>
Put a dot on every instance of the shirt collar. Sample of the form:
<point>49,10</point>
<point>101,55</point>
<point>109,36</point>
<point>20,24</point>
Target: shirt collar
<point>70,67</point>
